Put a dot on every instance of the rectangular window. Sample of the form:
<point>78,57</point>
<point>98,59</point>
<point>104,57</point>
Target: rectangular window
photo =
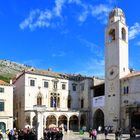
<point>82,103</point>
<point>32,82</point>
<point>1,89</point>
<point>55,85</point>
<point>74,87</point>
<point>82,87</point>
<point>46,84</point>
<point>126,90</point>
<point>63,86</point>
<point>1,106</point>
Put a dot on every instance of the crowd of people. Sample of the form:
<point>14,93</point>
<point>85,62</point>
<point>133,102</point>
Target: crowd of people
<point>30,134</point>
<point>118,133</point>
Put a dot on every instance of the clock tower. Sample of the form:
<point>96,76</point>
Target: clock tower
<point>116,64</point>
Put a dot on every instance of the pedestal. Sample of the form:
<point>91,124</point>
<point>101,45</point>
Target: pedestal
<point>39,109</point>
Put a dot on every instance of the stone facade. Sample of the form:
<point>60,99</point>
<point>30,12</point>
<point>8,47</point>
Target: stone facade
<point>66,98</point>
<point>119,103</point>
<point>6,106</point>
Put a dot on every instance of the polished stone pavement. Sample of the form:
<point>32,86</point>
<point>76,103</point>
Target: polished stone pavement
<point>77,136</point>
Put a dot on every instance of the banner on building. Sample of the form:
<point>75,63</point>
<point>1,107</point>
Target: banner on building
<point>98,101</point>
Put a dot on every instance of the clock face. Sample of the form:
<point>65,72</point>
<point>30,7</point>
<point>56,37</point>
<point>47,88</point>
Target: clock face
<point>112,72</point>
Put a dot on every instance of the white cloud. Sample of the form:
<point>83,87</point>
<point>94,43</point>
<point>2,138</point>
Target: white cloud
<point>58,7</point>
<point>46,18</point>
<point>94,67</point>
<point>100,12</point>
<point>37,18</point>
<point>83,16</point>
<point>138,43</point>
<point>59,54</point>
<point>134,31</point>
<point>95,49</point>
<point>75,1</point>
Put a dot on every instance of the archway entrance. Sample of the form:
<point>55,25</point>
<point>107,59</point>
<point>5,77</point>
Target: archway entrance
<point>2,126</point>
<point>62,121</point>
<point>98,119</point>
<point>135,120</point>
<point>50,121</point>
<point>83,122</point>
<point>74,123</point>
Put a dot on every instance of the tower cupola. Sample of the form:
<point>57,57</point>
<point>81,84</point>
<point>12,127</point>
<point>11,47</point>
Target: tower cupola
<point>116,15</point>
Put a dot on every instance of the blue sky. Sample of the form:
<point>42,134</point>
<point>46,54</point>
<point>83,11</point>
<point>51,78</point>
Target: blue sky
<point>65,35</point>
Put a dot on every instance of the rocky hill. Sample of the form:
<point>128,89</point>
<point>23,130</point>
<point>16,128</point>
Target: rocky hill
<point>9,69</point>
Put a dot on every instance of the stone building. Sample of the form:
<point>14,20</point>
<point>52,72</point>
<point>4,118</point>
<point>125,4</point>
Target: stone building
<point>66,98</point>
<point>116,102</point>
<point>6,106</point>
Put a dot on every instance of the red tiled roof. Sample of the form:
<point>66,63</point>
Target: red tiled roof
<point>2,82</point>
<point>133,74</point>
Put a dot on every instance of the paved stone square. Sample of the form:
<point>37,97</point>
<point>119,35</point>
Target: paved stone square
<point>77,136</point>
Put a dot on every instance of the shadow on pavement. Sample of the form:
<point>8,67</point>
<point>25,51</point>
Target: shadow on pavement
<point>137,138</point>
<point>86,139</point>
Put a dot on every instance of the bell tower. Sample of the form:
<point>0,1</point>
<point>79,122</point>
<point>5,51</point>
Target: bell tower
<point>116,64</point>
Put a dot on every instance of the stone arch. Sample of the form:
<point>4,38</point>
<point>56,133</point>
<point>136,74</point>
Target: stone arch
<point>111,35</point>
<point>34,121</point>
<point>51,121</point>
<point>39,99</point>
<point>98,119</point>
<point>123,32</point>
<point>2,126</point>
<point>74,123</point>
<point>62,121</point>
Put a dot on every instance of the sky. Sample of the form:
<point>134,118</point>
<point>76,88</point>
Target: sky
<point>64,35</point>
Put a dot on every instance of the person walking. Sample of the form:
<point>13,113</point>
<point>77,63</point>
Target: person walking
<point>106,133</point>
<point>118,134</point>
<point>94,134</point>
<point>132,132</point>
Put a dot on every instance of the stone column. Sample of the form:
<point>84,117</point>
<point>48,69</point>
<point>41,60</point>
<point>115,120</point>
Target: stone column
<point>79,123</point>
<point>39,110</point>
<point>68,125</point>
<point>44,121</point>
<point>39,125</point>
<point>56,122</point>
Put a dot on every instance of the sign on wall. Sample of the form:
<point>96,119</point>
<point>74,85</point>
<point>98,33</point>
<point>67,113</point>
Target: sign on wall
<point>98,101</point>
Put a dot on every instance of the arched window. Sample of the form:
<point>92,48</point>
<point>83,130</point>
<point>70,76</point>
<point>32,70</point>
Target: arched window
<point>39,100</point>
<point>58,102</point>
<point>82,103</point>
<point>2,126</point>
<point>123,34</point>
<point>111,35</point>
<point>53,101</point>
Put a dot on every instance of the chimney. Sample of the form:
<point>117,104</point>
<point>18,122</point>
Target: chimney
<point>11,82</point>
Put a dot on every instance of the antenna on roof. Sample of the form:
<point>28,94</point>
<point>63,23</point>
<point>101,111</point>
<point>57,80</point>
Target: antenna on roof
<point>115,3</point>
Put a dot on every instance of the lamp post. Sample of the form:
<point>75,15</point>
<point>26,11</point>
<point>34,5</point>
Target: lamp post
<point>39,109</point>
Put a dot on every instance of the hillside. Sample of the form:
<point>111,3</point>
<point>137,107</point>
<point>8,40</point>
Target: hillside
<point>9,69</point>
